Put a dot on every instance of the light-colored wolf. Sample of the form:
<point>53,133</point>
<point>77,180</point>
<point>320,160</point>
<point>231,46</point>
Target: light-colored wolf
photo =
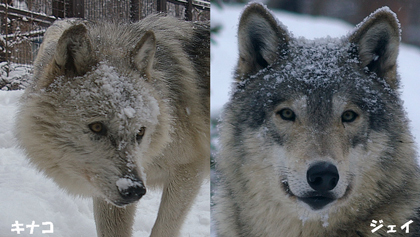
<point>314,140</point>
<point>114,104</point>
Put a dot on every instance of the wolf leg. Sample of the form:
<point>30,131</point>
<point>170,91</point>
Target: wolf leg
<point>178,195</point>
<point>112,221</point>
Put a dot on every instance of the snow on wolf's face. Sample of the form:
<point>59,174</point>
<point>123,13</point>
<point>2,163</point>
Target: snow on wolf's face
<point>103,122</point>
<point>308,118</point>
<point>312,116</point>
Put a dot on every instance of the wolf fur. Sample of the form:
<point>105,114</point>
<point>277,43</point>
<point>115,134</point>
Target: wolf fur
<point>315,140</point>
<point>116,109</point>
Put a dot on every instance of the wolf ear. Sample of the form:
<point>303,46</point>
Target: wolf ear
<point>144,52</point>
<point>261,40</point>
<point>377,40</point>
<point>74,54</point>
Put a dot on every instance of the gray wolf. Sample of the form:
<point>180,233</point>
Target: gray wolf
<point>315,140</point>
<point>115,109</point>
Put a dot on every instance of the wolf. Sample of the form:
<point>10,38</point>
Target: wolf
<point>315,140</point>
<point>116,109</point>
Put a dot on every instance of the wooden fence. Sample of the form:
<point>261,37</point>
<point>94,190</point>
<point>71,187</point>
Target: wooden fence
<point>23,22</point>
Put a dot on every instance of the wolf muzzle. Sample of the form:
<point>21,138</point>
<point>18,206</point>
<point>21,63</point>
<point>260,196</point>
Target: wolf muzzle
<point>130,190</point>
<point>321,177</point>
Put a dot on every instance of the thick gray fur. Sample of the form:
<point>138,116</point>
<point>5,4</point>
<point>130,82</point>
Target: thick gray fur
<point>144,89</point>
<point>266,153</point>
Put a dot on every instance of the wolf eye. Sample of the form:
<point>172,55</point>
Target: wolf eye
<point>141,132</point>
<point>287,114</point>
<point>348,116</point>
<point>98,128</point>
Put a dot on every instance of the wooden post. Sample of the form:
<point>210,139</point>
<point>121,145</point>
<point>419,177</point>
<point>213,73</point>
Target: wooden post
<point>6,18</point>
<point>188,11</point>
<point>75,8</point>
<point>58,8</point>
<point>134,10</point>
<point>161,5</point>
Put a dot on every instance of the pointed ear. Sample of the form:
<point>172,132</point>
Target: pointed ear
<point>377,40</point>
<point>261,40</point>
<point>74,55</point>
<point>144,52</point>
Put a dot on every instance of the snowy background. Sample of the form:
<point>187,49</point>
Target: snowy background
<point>28,196</point>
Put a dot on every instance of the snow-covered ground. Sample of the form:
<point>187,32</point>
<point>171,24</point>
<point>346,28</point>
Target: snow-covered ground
<point>224,54</point>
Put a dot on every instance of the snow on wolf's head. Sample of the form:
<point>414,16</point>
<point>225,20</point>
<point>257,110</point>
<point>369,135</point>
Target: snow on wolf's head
<point>93,119</point>
<point>314,115</point>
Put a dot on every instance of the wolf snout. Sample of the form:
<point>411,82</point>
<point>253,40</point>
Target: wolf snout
<point>322,177</point>
<point>131,190</point>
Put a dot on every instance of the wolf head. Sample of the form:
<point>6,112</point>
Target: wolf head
<point>93,119</point>
<point>311,120</point>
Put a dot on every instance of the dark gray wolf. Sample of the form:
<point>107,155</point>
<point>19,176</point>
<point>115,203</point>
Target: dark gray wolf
<point>315,140</point>
<point>118,108</point>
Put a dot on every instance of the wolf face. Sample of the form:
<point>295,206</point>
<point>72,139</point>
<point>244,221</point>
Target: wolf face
<point>112,120</point>
<point>309,120</point>
<point>97,114</point>
<point>316,110</point>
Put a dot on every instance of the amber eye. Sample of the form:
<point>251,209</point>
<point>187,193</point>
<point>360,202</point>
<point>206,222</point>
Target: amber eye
<point>98,128</point>
<point>141,132</point>
<point>287,114</point>
<point>348,116</point>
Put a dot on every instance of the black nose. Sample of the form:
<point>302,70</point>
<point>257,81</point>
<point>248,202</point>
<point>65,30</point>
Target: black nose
<point>132,192</point>
<point>322,176</point>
